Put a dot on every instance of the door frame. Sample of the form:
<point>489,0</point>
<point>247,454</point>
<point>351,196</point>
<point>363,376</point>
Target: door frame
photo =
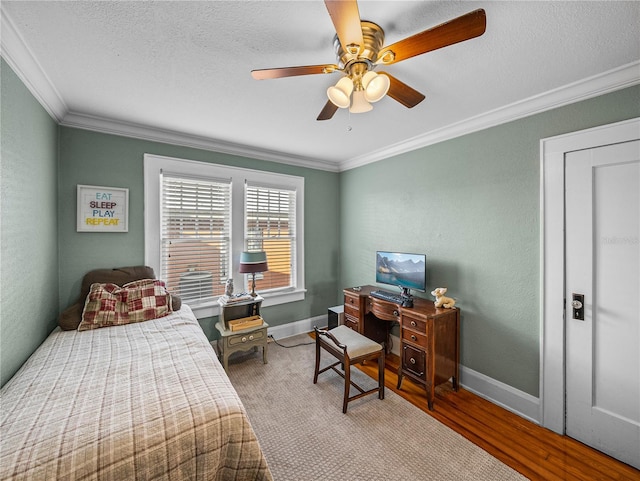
<point>552,258</point>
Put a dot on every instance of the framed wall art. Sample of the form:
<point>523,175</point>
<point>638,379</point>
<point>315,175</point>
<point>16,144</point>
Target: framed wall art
<point>102,209</point>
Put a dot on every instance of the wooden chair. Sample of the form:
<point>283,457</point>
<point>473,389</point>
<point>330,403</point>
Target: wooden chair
<point>349,347</point>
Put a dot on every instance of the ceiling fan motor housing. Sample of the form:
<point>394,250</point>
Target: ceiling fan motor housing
<point>373,38</point>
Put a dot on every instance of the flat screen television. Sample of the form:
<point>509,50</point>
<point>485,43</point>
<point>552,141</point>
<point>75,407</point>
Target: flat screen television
<point>407,271</point>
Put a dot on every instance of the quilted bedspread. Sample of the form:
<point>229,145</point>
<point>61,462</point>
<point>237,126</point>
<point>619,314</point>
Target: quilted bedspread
<point>145,401</point>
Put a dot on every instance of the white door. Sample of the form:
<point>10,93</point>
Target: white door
<point>602,202</point>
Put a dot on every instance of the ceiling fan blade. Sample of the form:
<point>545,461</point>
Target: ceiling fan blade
<point>346,20</point>
<point>269,73</point>
<point>401,92</point>
<point>328,111</point>
<point>466,27</point>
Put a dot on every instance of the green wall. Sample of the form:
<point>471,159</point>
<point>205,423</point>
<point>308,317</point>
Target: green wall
<point>28,223</point>
<point>108,160</point>
<point>472,204</point>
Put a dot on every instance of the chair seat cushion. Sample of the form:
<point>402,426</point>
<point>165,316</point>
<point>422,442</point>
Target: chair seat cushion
<point>357,344</point>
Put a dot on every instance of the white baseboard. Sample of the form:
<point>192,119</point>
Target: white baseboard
<point>497,392</point>
<point>508,397</point>
<point>505,396</point>
<point>297,327</point>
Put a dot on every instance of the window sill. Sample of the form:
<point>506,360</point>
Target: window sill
<point>275,298</point>
<point>211,309</point>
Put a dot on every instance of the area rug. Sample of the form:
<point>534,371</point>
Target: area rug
<point>305,436</point>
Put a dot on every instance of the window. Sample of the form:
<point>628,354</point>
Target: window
<point>195,234</point>
<point>270,226</point>
<point>200,216</point>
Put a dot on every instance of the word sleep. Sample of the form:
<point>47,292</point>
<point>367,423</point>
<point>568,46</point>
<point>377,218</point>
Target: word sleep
<point>102,205</point>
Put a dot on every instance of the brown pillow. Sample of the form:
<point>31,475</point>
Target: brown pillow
<point>70,318</point>
<point>112,305</point>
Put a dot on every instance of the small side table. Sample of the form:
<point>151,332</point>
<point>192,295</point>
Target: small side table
<point>243,340</point>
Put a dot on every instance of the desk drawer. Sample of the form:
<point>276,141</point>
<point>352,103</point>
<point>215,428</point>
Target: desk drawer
<point>351,322</point>
<point>414,337</point>
<point>352,301</point>
<point>385,310</point>
<point>349,310</point>
<point>414,324</point>
<point>414,361</point>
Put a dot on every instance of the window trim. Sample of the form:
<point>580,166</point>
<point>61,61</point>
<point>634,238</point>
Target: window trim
<point>155,164</point>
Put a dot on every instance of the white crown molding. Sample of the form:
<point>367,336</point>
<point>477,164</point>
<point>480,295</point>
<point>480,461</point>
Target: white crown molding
<point>129,129</point>
<point>24,64</point>
<point>19,57</point>
<point>610,81</point>
<point>615,79</point>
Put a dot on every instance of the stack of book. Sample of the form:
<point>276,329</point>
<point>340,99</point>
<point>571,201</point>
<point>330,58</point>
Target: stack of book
<point>243,296</point>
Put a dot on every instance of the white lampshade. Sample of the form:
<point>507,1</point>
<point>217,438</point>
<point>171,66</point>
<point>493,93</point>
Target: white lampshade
<point>375,86</point>
<point>340,93</point>
<point>359,103</point>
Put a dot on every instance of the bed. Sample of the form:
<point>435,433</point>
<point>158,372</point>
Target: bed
<point>141,401</point>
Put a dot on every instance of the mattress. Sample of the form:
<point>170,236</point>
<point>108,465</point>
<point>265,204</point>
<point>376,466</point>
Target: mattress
<point>144,401</point>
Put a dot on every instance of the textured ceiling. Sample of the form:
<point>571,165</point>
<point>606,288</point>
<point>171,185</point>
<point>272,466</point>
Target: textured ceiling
<point>181,70</point>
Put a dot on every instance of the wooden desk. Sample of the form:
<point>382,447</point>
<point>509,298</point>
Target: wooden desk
<point>430,337</point>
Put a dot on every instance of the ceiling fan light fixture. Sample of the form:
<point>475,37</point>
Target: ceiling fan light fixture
<point>340,93</point>
<point>359,103</point>
<point>375,86</point>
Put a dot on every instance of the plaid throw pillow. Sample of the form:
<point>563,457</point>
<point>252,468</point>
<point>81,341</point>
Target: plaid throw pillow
<point>112,305</point>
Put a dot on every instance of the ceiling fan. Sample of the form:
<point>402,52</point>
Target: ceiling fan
<point>360,50</point>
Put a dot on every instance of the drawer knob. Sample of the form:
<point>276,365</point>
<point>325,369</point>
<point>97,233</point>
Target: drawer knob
<point>251,337</point>
<point>396,313</point>
<point>244,339</point>
<point>413,323</point>
<point>413,338</point>
<point>412,361</point>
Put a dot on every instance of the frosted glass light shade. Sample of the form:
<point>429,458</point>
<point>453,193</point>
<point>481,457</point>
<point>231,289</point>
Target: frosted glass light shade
<point>339,93</point>
<point>359,103</point>
<point>375,86</point>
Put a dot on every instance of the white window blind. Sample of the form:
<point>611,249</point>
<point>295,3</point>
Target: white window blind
<point>195,235</point>
<point>200,216</point>
<point>270,225</point>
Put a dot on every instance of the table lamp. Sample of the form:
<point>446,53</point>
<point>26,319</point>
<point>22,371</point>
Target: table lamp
<point>252,262</point>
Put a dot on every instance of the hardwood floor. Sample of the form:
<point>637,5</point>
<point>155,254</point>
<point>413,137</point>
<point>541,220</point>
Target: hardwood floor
<point>534,451</point>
